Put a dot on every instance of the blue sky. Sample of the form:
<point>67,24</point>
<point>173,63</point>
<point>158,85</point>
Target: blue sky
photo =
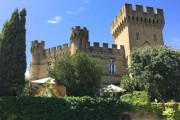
<point>51,20</point>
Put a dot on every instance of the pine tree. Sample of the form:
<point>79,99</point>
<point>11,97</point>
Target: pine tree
<point>12,55</point>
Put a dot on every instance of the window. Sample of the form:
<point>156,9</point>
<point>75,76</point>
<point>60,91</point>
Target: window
<point>137,36</point>
<point>112,67</point>
<point>155,38</point>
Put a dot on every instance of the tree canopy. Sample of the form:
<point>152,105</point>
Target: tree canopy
<point>80,73</point>
<point>12,54</point>
<point>156,70</point>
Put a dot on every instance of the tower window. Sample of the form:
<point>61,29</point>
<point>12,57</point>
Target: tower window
<point>155,38</point>
<point>137,36</point>
<point>112,67</point>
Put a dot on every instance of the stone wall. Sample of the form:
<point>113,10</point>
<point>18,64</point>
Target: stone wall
<point>138,27</point>
<point>46,58</point>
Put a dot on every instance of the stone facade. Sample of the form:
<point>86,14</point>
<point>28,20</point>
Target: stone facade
<point>42,58</point>
<point>130,29</point>
<point>138,28</point>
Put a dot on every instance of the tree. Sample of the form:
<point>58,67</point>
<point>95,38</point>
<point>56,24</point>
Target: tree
<point>80,73</point>
<point>156,70</point>
<point>12,55</point>
<point>20,52</point>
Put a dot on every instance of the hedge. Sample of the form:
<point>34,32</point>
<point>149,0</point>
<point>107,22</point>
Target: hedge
<point>68,108</point>
<point>80,108</point>
<point>139,101</point>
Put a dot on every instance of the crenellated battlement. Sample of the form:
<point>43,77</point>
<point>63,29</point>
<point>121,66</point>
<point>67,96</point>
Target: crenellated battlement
<point>139,15</point>
<point>79,28</point>
<point>37,44</point>
<point>105,48</point>
<point>58,49</point>
<point>140,9</point>
<point>104,45</point>
<point>78,32</point>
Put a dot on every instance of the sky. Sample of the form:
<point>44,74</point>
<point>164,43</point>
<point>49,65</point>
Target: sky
<point>51,20</point>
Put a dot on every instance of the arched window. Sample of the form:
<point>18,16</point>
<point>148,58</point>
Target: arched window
<point>112,67</point>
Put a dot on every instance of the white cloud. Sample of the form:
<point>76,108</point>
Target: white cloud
<point>55,20</point>
<point>69,12</point>
<point>77,11</point>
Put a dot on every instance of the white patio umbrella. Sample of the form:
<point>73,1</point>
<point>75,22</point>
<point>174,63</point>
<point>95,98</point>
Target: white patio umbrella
<point>44,80</point>
<point>113,88</point>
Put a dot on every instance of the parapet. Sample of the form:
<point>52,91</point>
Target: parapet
<point>79,33</point>
<point>105,49</point>
<point>37,44</point>
<point>58,49</point>
<point>139,15</point>
<point>128,8</point>
<point>77,28</point>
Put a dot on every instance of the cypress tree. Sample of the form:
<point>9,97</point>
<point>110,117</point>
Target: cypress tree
<point>12,56</point>
<point>20,52</point>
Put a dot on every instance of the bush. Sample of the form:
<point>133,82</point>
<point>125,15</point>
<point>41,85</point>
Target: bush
<point>140,102</point>
<point>136,98</point>
<point>155,70</point>
<point>82,108</point>
<point>169,113</point>
<point>80,73</point>
<point>69,108</point>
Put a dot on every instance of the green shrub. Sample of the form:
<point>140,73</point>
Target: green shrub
<point>81,108</point>
<point>169,113</point>
<point>140,102</point>
<point>69,108</point>
<point>136,98</point>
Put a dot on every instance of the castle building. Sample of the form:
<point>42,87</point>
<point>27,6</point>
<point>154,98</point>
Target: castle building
<point>130,29</point>
<point>138,28</point>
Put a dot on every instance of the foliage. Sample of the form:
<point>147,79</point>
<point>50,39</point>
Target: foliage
<point>29,90</point>
<point>139,101</point>
<point>80,73</point>
<point>156,70</point>
<point>169,113</point>
<point>136,98</point>
<point>68,108</point>
<point>12,55</point>
<point>127,83</point>
<point>82,108</point>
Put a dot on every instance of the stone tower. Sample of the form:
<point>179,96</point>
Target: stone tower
<point>38,66</point>
<point>79,39</point>
<point>138,28</point>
